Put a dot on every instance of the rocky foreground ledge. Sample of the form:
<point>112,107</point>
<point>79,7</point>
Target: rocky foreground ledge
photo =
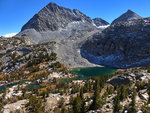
<point>130,77</point>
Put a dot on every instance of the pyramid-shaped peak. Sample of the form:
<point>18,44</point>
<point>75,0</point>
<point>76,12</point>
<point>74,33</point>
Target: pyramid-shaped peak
<point>130,11</point>
<point>52,17</point>
<point>52,4</point>
<point>129,15</point>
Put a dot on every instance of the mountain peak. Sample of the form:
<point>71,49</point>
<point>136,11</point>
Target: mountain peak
<point>52,4</point>
<point>52,17</point>
<point>129,11</point>
<point>129,15</point>
<point>100,22</point>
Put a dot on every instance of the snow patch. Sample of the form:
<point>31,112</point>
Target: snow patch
<point>9,35</point>
<point>94,23</point>
<point>100,27</point>
<point>103,27</point>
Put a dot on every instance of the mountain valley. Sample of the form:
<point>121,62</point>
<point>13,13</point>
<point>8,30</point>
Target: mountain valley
<point>43,68</point>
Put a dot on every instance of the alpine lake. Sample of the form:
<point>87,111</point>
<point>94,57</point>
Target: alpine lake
<point>82,73</point>
<point>88,72</point>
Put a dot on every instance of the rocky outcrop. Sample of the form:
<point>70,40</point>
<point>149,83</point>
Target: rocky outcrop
<point>130,77</point>
<point>122,45</point>
<point>129,15</point>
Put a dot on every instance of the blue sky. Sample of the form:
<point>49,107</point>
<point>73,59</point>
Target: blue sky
<point>15,13</point>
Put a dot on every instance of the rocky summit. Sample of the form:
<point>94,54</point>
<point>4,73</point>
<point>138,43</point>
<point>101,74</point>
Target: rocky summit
<point>122,45</point>
<point>54,22</point>
<point>52,17</point>
<point>100,22</point>
<point>129,15</point>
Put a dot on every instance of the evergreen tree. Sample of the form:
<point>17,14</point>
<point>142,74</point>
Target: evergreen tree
<point>77,105</point>
<point>115,86</point>
<point>57,110</point>
<point>61,102</point>
<point>86,87</point>
<point>145,109</point>
<point>71,100</point>
<point>117,105</point>
<point>96,98</point>
<point>123,92</point>
<point>81,94</point>
<point>83,108</point>
<point>63,110</point>
<point>1,107</point>
<point>148,91</point>
<point>132,108</point>
<point>35,105</point>
<point>23,92</point>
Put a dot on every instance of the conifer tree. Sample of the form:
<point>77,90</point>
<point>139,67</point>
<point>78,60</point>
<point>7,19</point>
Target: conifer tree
<point>1,107</point>
<point>123,92</point>
<point>96,98</point>
<point>83,108</point>
<point>35,105</point>
<point>63,110</point>
<point>81,94</point>
<point>148,91</point>
<point>117,105</point>
<point>77,104</point>
<point>132,108</point>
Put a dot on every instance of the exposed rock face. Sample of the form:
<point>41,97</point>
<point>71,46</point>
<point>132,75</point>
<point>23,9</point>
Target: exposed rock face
<point>54,22</point>
<point>100,22</point>
<point>130,77</point>
<point>129,15</point>
<point>52,17</point>
<point>122,45</point>
<point>68,28</point>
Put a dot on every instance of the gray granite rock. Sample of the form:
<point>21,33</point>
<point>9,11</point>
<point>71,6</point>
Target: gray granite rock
<point>54,23</point>
<point>130,77</point>
<point>52,17</point>
<point>129,15</point>
<point>100,22</point>
<point>122,45</point>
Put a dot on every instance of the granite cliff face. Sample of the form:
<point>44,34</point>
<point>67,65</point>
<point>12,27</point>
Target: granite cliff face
<point>122,45</point>
<point>54,22</point>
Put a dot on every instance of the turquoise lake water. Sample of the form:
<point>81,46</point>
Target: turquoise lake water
<point>9,85</point>
<point>81,72</point>
<point>30,86</point>
<point>34,86</point>
<point>93,71</point>
<point>84,73</point>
